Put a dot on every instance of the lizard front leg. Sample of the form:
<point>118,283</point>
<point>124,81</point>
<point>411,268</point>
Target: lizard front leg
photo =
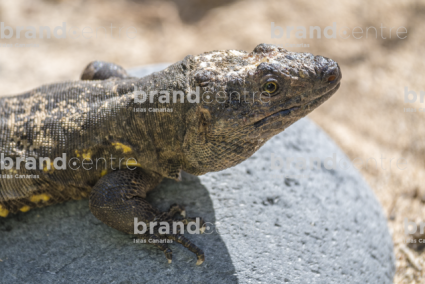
<point>120,196</point>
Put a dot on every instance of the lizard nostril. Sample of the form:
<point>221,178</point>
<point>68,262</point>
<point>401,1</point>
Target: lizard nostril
<point>331,78</point>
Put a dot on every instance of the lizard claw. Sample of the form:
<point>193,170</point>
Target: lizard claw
<point>201,260</point>
<point>168,254</point>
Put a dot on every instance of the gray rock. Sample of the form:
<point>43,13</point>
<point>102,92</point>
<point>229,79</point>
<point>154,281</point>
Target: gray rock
<point>270,223</point>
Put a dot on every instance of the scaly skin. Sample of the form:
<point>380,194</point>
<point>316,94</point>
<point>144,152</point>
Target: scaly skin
<point>245,99</point>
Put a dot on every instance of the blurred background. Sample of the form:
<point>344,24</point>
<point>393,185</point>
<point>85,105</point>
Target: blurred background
<point>368,117</point>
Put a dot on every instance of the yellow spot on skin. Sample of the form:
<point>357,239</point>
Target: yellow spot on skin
<point>46,169</point>
<point>133,163</point>
<point>39,197</point>
<point>120,146</point>
<point>24,208</point>
<point>86,153</point>
<point>3,212</point>
<point>104,172</point>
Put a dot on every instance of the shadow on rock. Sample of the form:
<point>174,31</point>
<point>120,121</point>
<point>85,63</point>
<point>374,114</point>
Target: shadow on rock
<point>66,243</point>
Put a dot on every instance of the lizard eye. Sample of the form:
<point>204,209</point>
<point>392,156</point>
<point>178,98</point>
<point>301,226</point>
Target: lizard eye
<point>270,87</point>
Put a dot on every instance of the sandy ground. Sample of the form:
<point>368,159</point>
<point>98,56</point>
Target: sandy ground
<point>367,117</point>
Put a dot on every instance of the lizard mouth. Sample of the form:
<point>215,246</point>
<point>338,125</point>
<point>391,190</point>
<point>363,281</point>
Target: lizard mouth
<point>281,113</point>
<point>307,107</point>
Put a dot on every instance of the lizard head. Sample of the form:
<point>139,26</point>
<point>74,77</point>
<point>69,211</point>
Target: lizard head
<point>247,98</point>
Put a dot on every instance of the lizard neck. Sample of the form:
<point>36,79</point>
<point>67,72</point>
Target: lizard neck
<point>157,117</point>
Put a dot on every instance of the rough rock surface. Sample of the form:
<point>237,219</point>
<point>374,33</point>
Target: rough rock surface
<point>271,223</point>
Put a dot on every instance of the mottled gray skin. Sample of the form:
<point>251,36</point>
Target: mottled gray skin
<point>245,99</point>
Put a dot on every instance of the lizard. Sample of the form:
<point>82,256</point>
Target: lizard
<point>228,103</point>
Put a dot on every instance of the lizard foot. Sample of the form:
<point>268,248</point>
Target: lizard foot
<point>172,219</point>
<point>160,241</point>
<point>176,210</point>
<point>119,200</point>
